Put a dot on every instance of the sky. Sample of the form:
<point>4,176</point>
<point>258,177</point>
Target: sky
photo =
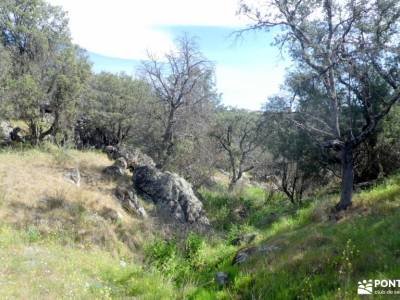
<point>118,33</point>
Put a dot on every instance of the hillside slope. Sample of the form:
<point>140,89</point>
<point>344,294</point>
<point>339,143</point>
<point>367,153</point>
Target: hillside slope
<point>61,241</point>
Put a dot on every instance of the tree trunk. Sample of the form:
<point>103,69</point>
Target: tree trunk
<point>235,178</point>
<point>167,139</point>
<point>232,184</point>
<point>347,177</point>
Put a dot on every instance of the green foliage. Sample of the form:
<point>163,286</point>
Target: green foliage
<point>79,273</point>
<point>317,259</point>
<point>237,135</point>
<point>161,252</point>
<point>113,108</point>
<point>48,72</point>
<point>193,244</point>
<point>248,208</point>
<point>298,165</point>
<point>5,76</point>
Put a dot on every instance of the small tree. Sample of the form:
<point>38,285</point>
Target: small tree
<point>350,50</point>
<point>237,132</point>
<point>297,165</point>
<point>184,78</point>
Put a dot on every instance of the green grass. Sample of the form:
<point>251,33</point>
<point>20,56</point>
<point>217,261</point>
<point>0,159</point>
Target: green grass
<point>317,258</point>
<point>41,268</point>
<point>317,255</point>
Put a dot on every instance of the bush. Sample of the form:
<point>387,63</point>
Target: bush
<point>160,252</point>
<point>193,244</point>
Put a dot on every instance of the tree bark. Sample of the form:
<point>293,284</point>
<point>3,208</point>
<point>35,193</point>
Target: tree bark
<point>232,184</point>
<point>167,139</point>
<point>347,177</point>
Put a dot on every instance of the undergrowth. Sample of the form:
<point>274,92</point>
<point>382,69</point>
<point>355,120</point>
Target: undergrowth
<point>316,254</point>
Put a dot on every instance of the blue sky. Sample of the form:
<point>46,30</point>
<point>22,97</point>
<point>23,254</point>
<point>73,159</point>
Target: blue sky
<point>118,33</point>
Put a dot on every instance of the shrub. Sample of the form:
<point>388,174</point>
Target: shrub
<point>161,252</point>
<point>193,244</point>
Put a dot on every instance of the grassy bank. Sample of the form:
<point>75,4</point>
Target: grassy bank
<point>58,241</point>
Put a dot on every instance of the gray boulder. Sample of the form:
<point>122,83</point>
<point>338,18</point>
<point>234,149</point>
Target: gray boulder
<point>221,278</point>
<point>130,202</point>
<point>16,135</point>
<point>5,132</point>
<point>244,239</point>
<point>170,192</point>
<point>73,176</point>
<point>133,157</point>
<point>243,255</point>
<point>118,168</point>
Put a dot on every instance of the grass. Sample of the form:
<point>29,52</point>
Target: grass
<point>56,241</point>
<point>45,269</point>
<point>319,255</point>
<point>33,191</point>
<point>57,238</point>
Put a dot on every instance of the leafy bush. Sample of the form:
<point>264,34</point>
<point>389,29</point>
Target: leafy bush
<point>193,244</point>
<point>161,252</point>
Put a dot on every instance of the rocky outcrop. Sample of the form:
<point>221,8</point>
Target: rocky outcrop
<point>117,169</point>
<point>130,202</point>
<point>133,157</point>
<point>171,192</point>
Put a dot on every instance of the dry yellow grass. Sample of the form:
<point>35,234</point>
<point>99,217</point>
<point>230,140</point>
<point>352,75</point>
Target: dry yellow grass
<point>31,176</point>
<point>35,192</point>
<point>63,241</point>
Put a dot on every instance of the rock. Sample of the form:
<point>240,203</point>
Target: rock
<point>240,212</point>
<point>114,171</point>
<point>244,254</point>
<point>267,248</point>
<point>109,214</point>
<point>171,193</point>
<point>123,264</point>
<point>133,157</point>
<point>365,185</point>
<point>221,278</point>
<point>268,220</point>
<point>121,163</point>
<point>130,202</point>
<point>16,135</point>
<point>5,132</point>
<point>73,176</point>
<point>117,169</point>
<point>244,239</point>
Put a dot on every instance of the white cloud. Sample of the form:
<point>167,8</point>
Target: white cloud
<point>249,88</point>
<point>125,29</point>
